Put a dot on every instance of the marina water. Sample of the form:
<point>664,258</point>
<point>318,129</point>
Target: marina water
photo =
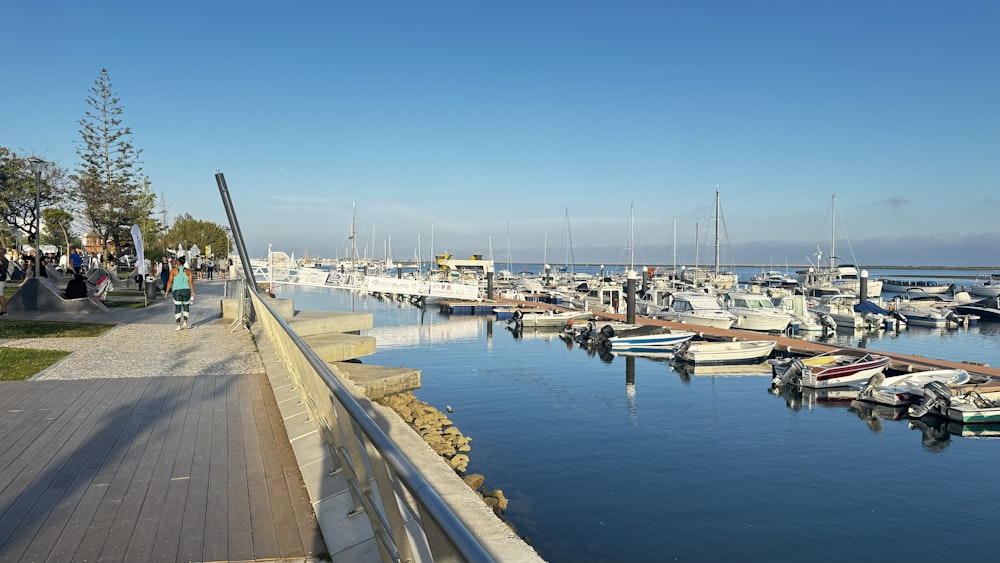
<point>632,460</point>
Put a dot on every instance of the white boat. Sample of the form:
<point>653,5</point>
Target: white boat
<point>926,314</point>
<point>837,368</point>
<point>803,318</point>
<point>659,339</point>
<point>834,277</point>
<point>725,352</point>
<point>694,308</point>
<point>605,296</point>
<point>755,311</point>
<point>841,308</point>
<point>548,318</point>
<point>908,388</point>
<point>988,287</point>
<point>933,310</point>
<point>969,407</point>
<point>929,287</point>
<point>774,279</point>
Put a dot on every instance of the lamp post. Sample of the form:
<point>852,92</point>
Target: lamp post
<point>36,167</point>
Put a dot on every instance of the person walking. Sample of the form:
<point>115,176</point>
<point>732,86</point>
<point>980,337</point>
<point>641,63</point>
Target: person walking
<point>181,284</point>
<point>76,260</point>
<point>164,272</point>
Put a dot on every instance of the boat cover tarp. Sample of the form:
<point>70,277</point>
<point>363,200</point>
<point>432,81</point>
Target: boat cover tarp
<point>869,307</point>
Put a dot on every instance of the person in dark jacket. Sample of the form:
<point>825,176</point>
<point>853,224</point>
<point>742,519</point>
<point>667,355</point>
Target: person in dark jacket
<point>76,288</point>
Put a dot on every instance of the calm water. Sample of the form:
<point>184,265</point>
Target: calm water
<point>631,461</point>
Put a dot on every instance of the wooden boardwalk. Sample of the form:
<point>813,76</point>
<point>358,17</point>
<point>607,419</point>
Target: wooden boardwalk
<point>164,468</point>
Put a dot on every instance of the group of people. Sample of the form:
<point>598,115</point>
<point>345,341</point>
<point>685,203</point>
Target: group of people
<point>176,277</point>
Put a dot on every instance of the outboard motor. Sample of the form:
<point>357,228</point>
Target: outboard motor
<point>937,399</point>
<point>874,321</point>
<point>517,318</point>
<point>828,322</point>
<point>953,317</point>
<point>787,373</point>
<point>602,339</point>
<point>874,382</point>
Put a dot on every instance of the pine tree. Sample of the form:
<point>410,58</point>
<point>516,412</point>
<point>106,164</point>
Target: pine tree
<point>108,184</point>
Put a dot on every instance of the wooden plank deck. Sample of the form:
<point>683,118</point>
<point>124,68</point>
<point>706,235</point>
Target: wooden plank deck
<point>185,468</point>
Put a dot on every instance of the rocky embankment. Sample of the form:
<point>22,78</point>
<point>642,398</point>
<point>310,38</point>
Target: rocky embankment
<point>441,435</point>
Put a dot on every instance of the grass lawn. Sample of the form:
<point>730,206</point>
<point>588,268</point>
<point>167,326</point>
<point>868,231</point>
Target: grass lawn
<point>50,329</point>
<point>22,363</point>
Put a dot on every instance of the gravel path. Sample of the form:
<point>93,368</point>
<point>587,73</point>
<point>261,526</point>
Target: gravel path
<point>145,343</point>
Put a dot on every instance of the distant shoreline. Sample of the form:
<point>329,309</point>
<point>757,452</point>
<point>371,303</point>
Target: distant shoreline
<point>771,266</point>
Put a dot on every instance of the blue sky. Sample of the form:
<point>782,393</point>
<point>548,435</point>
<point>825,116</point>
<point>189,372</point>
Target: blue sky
<point>458,122</point>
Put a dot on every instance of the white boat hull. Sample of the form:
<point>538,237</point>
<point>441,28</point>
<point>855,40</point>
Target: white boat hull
<point>908,388</point>
<point>718,353</point>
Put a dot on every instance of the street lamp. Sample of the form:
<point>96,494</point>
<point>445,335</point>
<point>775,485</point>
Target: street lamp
<point>36,167</point>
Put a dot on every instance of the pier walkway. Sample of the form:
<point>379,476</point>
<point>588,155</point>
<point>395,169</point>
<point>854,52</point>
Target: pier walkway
<point>150,444</point>
<point>901,362</point>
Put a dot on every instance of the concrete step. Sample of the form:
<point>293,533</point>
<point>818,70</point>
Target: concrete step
<point>338,346</point>
<point>308,323</point>
<point>378,381</point>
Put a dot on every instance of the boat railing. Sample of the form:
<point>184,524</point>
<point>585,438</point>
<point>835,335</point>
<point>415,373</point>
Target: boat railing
<point>409,519</point>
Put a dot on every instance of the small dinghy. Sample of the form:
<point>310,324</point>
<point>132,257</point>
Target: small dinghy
<point>719,353</point>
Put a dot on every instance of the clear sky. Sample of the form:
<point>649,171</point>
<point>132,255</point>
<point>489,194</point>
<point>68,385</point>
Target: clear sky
<point>458,122</point>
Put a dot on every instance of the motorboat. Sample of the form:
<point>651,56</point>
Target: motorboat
<point>837,368</point>
<point>927,287</point>
<point>690,307</point>
<point>920,313</point>
<point>969,407</point>
<point>774,279</point>
<point>755,311</point>
<point>548,318</point>
<point>640,338</point>
<point>908,388</point>
<point>986,287</point>
<point>987,309</point>
<point>843,308</point>
<point>725,352</point>
<point>804,319</point>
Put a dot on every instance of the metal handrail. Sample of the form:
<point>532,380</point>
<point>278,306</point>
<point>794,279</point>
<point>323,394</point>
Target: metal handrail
<point>356,435</point>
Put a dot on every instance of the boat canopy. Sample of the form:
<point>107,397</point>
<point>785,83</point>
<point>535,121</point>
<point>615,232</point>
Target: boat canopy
<point>869,307</point>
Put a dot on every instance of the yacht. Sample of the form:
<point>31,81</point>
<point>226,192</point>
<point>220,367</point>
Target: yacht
<point>695,308</point>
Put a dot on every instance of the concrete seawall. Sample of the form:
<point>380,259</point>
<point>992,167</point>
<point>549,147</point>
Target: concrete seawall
<point>335,337</point>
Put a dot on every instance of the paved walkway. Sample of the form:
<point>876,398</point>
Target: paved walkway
<point>150,444</point>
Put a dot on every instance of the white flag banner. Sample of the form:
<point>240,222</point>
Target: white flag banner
<point>140,259</point>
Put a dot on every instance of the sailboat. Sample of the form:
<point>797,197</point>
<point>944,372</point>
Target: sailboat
<point>716,277</point>
<point>834,277</point>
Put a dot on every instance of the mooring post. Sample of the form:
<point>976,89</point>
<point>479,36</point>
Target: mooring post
<point>864,285</point>
<point>630,297</point>
<point>489,284</point>
<point>645,279</point>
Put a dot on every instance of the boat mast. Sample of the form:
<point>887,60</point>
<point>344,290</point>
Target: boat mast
<point>718,239</point>
<point>510,267</point>
<point>675,248</point>
<point>354,237</point>
<point>833,233</point>
<point>570,259</point>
